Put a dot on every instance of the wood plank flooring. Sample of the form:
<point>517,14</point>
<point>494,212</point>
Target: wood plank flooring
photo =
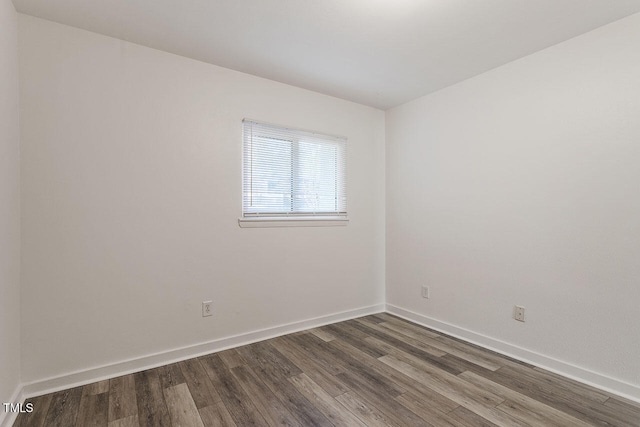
<point>377,370</point>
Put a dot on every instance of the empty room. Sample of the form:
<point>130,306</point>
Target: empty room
<point>319,213</point>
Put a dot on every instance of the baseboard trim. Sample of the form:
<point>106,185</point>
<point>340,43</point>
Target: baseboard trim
<point>88,376</point>
<point>8,418</point>
<point>79,378</point>
<point>585,376</point>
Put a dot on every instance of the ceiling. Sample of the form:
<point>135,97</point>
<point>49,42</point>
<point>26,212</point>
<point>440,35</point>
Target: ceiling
<point>380,53</point>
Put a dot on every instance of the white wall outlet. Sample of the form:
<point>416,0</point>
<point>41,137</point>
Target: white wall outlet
<point>207,308</point>
<point>518,313</point>
<point>426,293</point>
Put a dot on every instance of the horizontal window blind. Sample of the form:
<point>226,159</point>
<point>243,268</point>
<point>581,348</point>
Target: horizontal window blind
<point>291,172</point>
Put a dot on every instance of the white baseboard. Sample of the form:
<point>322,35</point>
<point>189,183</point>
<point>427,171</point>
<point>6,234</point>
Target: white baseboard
<point>8,418</point>
<point>594,379</point>
<point>78,378</point>
<point>88,376</point>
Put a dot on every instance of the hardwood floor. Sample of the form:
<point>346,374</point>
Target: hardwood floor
<point>377,370</point>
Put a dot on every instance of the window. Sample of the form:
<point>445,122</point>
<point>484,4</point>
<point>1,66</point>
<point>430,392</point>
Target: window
<point>290,174</point>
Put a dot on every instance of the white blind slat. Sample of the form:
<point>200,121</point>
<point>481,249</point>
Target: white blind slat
<point>292,172</point>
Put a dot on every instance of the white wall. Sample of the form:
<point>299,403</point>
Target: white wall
<point>521,186</point>
<point>9,205</point>
<point>131,196</point>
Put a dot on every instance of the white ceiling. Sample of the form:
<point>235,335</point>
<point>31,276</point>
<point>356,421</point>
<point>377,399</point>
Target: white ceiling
<point>380,53</point>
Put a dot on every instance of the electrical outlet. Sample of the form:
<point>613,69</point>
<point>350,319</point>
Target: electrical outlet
<point>426,292</point>
<point>207,308</point>
<point>518,313</point>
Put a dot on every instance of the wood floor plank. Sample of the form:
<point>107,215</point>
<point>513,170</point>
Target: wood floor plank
<point>216,416</point>
<point>406,328</point>
<point>375,382</point>
<point>306,362</point>
<point>274,412</point>
<point>455,346</point>
<point>429,411</point>
<point>437,379</point>
<point>462,364</point>
<point>152,408</point>
<point>592,412</point>
<point>443,338</point>
<point>446,384</point>
<point>392,410</point>
<point>182,408</point>
<point>403,382</point>
<point>377,318</point>
<point>383,326</point>
<point>265,355</point>
<point>474,354</point>
<point>235,399</point>
<point>350,364</point>
<point>411,385</point>
<point>309,345</point>
<point>322,334</point>
<point>452,348</point>
<point>628,411</point>
<point>170,375</point>
<point>331,408</point>
<point>406,346</point>
<point>131,421</point>
<point>122,398</point>
<point>414,339</point>
<point>522,413</point>
<point>615,400</point>
<point>457,365</point>
<point>302,410</point>
<point>582,402</point>
<point>367,413</point>
<point>567,384</point>
<point>231,358</point>
<point>63,409</point>
<point>471,397</point>
<point>40,408</point>
<point>200,386</point>
<point>463,417</point>
<point>356,362</point>
<point>96,388</point>
<point>417,343</point>
<point>303,332</point>
<point>428,395</point>
<point>451,367</point>
<point>523,407</point>
<point>354,337</point>
<point>94,410</point>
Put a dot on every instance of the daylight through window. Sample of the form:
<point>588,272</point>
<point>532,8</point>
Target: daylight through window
<point>292,173</point>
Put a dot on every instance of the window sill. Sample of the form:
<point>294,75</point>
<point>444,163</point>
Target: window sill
<point>319,221</point>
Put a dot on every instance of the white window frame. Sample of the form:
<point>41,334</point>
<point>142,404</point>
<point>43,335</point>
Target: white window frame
<point>252,217</point>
